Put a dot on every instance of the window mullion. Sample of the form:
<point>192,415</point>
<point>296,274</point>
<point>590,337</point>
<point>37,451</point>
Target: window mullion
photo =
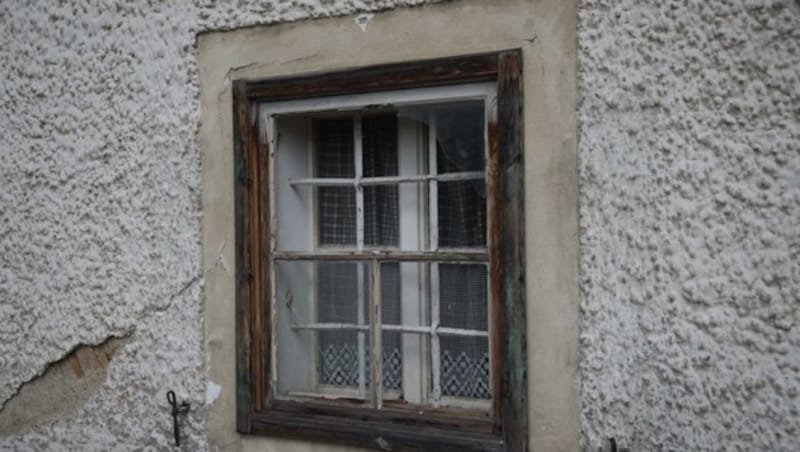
<point>358,165</point>
<point>433,244</point>
<point>376,360</point>
<point>433,192</point>
<point>268,124</point>
<point>358,154</point>
<point>411,296</point>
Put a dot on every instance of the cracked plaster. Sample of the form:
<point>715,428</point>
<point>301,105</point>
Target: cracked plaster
<point>61,390</point>
<point>689,201</point>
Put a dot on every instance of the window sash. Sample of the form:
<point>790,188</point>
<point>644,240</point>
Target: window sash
<point>433,332</point>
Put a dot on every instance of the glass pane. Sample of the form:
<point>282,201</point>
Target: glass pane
<point>391,315</point>
<point>293,205</point>
<point>312,359</point>
<point>463,294</point>
<point>458,130</point>
<point>337,218</point>
<point>460,139</point>
<point>465,367</point>
<point>462,213</point>
<point>380,159</point>
<point>334,158</point>
<point>460,147</point>
<point>334,145</point>
<point>319,348</point>
<point>463,303</point>
<point>337,302</point>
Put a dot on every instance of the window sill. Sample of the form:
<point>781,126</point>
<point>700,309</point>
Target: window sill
<point>396,427</point>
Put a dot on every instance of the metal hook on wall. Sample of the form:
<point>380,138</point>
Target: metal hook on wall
<point>181,409</point>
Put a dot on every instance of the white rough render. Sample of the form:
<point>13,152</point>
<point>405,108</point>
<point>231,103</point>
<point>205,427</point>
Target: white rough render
<point>689,212</point>
<point>99,204</point>
<point>690,224</point>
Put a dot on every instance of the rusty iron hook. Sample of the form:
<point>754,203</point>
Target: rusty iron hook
<point>183,408</point>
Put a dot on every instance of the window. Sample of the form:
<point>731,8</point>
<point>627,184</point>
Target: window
<point>379,248</point>
<point>344,183</point>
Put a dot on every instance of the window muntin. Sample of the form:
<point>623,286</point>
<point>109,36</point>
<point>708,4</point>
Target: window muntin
<point>409,179</point>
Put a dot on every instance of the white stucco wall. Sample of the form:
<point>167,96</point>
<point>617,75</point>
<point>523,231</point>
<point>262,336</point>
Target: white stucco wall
<point>99,212</point>
<point>100,204</point>
<point>689,214</point>
<point>690,223</point>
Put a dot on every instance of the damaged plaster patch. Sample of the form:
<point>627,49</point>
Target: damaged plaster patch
<point>362,20</point>
<point>61,390</point>
<point>213,391</point>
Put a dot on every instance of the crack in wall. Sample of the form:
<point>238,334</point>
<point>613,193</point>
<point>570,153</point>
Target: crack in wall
<point>186,287</point>
<point>61,389</point>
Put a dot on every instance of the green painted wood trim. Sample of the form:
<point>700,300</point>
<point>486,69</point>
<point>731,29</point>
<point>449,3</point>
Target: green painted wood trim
<point>510,130</point>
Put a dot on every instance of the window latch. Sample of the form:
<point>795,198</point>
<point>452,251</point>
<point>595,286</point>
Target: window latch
<point>181,409</point>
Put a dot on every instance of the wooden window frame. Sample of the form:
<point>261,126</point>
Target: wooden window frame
<point>392,427</point>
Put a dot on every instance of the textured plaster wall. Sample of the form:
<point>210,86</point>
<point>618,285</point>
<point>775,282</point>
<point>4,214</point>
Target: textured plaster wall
<point>100,205</point>
<point>99,212</point>
<point>690,224</point>
<point>689,211</point>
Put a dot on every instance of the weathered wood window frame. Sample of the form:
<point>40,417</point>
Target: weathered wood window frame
<point>396,428</point>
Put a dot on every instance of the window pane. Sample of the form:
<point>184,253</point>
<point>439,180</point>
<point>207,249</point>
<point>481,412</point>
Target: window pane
<point>460,147</point>
<point>318,312</point>
<point>334,145</point>
<point>319,346</point>
<point>391,315</point>
<point>324,338</point>
<point>460,139</point>
<point>295,359</point>
<point>465,367</point>
<point>337,302</point>
<point>293,205</point>
<point>380,159</point>
<point>334,158</point>
<point>462,213</point>
<point>463,295</point>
